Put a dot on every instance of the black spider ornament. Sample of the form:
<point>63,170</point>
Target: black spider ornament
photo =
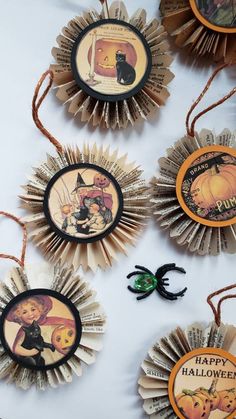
<point>146,282</point>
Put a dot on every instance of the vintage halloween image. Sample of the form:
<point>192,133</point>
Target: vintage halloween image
<point>218,12</point>
<point>209,186</point>
<point>83,202</point>
<point>111,58</point>
<point>39,330</point>
<point>204,385</point>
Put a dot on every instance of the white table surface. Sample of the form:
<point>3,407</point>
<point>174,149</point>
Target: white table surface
<point>108,389</point>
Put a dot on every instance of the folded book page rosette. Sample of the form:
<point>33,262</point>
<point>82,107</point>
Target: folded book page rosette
<point>195,195</point>
<point>205,28</point>
<point>45,334</point>
<point>86,204</point>
<point>110,69</point>
<point>191,373</point>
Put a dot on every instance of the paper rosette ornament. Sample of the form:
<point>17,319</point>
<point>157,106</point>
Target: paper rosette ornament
<point>45,334</point>
<point>195,196</point>
<point>112,70</point>
<point>191,373</point>
<point>86,204</point>
<point>206,28</point>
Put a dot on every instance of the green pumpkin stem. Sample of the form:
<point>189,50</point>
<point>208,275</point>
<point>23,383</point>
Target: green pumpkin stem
<point>212,389</point>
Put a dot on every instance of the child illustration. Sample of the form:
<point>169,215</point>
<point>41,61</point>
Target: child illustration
<point>220,12</point>
<point>74,219</point>
<point>30,314</point>
<point>98,215</point>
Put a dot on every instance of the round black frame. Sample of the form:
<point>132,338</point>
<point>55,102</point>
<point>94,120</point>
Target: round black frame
<point>101,96</point>
<point>50,293</point>
<point>66,236</point>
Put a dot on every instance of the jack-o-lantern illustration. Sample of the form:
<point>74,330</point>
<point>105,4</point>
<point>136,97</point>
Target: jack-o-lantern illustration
<point>63,338</point>
<point>194,404</point>
<point>101,181</point>
<point>215,184</point>
<point>227,400</point>
<point>212,394</point>
<point>105,55</point>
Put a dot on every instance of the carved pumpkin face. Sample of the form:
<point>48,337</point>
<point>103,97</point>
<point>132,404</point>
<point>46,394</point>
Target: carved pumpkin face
<point>105,55</point>
<point>215,184</point>
<point>194,404</point>
<point>63,338</point>
<point>213,396</point>
<point>101,181</point>
<point>227,400</point>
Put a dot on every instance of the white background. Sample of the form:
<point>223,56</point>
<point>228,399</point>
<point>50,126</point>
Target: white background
<point>108,389</point>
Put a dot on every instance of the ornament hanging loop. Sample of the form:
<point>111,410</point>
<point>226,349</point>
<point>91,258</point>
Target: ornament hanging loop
<point>20,261</point>
<point>191,127</point>
<point>36,103</point>
<point>217,311</point>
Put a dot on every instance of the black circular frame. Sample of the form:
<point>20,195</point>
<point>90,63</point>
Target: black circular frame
<point>109,97</point>
<point>66,236</point>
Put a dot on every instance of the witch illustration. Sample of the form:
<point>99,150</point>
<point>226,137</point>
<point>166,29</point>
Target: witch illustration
<point>30,314</point>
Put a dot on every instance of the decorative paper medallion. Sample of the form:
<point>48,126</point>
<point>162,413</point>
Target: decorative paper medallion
<point>46,333</point>
<point>85,206</point>
<point>112,69</point>
<point>204,27</point>
<point>195,195</point>
<point>214,371</point>
<point>191,374</point>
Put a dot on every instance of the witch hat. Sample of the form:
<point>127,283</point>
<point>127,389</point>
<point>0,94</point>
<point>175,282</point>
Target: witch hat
<point>80,183</point>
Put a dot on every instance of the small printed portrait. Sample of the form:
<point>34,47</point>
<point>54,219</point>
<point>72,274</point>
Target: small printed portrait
<point>40,330</point>
<point>83,203</point>
<point>218,12</point>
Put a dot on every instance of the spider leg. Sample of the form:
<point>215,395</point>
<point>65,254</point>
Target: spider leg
<point>173,294</point>
<point>143,269</point>
<point>134,290</point>
<point>163,269</point>
<point>164,295</point>
<point>145,295</point>
<point>134,273</point>
<point>169,267</point>
<point>163,281</point>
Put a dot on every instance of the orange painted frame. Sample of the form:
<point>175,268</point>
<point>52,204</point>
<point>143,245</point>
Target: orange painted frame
<point>180,178</point>
<point>206,22</point>
<point>200,351</point>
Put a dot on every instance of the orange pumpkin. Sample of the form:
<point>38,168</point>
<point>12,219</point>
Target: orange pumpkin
<point>227,400</point>
<point>215,184</point>
<point>212,394</point>
<point>105,55</point>
<point>63,338</point>
<point>194,404</point>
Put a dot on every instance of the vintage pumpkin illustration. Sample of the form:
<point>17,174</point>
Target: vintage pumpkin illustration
<point>214,186</point>
<point>194,404</point>
<point>209,186</point>
<point>63,338</point>
<point>200,403</point>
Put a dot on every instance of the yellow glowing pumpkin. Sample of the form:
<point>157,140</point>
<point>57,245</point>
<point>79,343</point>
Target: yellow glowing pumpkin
<point>63,338</point>
<point>105,55</point>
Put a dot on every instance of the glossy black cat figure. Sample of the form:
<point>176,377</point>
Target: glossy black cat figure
<point>125,72</point>
<point>146,282</point>
<point>34,340</point>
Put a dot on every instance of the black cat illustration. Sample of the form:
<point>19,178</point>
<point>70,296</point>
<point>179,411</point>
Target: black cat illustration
<point>125,72</point>
<point>34,340</point>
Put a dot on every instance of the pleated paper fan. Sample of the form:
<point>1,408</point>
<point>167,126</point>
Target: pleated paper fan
<point>111,69</point>
<point>86,206</point>
<point>191,374</point>
<point>194,196</point>
<point>46,334</point>
<point>205,28</point>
